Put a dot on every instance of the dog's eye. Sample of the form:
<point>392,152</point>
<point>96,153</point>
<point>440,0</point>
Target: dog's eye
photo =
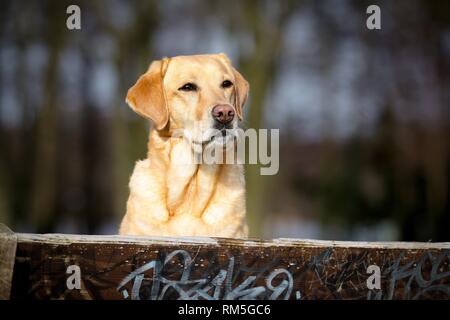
<point>188,87</point>
<point>227,84</point>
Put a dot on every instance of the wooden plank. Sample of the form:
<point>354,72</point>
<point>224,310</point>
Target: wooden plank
<point>113,267</point>
<point>8,241</point>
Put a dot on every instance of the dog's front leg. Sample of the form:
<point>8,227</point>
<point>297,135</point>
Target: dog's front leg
<point>226,215</point>
<point>147,212</point>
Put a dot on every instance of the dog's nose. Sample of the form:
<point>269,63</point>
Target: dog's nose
<point>223,113</point>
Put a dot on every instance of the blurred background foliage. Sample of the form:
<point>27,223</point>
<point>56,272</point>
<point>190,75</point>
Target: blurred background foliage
<point>363,115</point>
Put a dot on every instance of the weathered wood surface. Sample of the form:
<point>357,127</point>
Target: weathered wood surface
<point>8,241</point>
<point>204,268</point>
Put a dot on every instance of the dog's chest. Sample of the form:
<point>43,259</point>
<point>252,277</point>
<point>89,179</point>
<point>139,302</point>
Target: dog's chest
<point>192,194</point>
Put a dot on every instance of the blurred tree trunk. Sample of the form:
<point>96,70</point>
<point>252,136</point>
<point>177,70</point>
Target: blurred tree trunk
<point>46,157</point>
<point>260,68</point>
<point>130,136</point>
<point>6,176</point>
<point>16,139</point>
<point>93,143</point>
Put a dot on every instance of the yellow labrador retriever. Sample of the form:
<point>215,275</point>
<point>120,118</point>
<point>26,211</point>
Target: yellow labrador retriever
<point>170,196</point>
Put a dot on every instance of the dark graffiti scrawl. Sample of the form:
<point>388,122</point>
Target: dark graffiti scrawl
<point>218,286</point>
<point>418,279</point>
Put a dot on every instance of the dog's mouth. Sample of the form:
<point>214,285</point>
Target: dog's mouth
<point>223,135</point>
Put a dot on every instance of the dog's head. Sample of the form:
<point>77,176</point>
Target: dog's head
<point>198,95</point>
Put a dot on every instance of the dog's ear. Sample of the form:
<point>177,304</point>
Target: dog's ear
<point>147,96</point>
<point>241,92</point>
